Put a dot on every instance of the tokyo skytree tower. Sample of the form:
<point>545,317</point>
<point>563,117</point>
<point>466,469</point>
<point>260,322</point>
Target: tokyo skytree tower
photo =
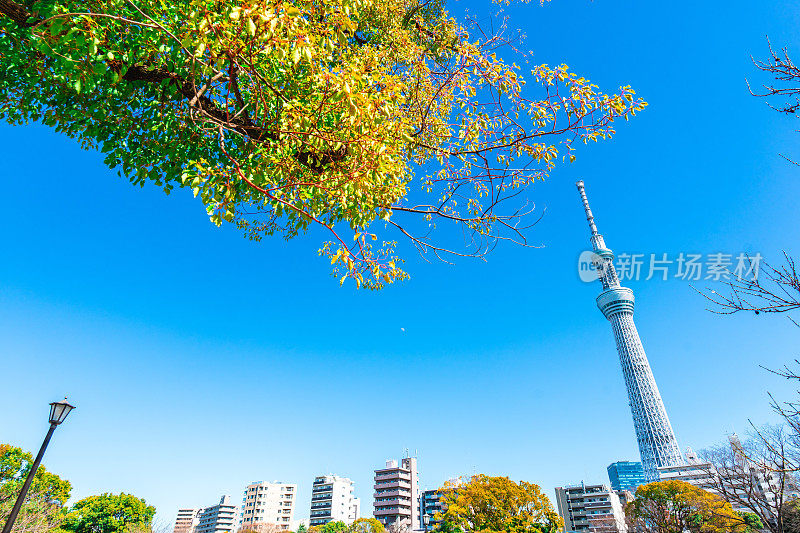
<point>657,444</point>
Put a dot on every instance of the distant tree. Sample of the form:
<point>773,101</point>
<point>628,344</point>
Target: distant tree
<point>261,527</point>
<point>498,504</point>
<point>334,527</point>
<point>44,505</point>
<point>676,506</point>
<point>301,528</point>
<point>605,524</point>
<point>367,525</point>
<point>399,526</point>
<point>109,513</point>
<point>15,464</point>
<point>753,523</point>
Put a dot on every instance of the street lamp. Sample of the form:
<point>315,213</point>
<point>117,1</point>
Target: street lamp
<point>58,413</point>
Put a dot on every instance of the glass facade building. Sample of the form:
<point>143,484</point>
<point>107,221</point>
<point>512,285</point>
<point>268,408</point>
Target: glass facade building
<point>626,475</point>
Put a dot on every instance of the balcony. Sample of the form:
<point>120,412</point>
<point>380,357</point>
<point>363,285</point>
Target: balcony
<point>394,501</point>
<point>393,485</point>
<point>393,475</point>
<point>397,492</point>
<point>402,511</point>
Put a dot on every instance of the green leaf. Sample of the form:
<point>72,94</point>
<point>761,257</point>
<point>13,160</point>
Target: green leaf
<point>56,26</point>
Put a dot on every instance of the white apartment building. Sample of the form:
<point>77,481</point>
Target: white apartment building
<point>694,472</point>
<point>186,521</point>
<point>397,493</point>
<point>268,503</point>
<point>590,508</point>
<point>332,500</point>
<point>220,518</point>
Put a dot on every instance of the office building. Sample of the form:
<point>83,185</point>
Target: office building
<point>590,509</point>
<point>332,500</point>
<point>657,444</point>
<point>266,504</point>
<point>626,475</point>
<point>220,518</point>
<point>397,493</point>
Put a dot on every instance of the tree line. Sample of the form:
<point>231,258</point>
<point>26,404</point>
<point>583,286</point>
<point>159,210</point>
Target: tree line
<point>45,508</point>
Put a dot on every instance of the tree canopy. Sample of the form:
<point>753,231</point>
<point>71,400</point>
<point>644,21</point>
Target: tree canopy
<point>675,506</point>
<point>44,505</point>
<point>367,525</point>
<point>15,464</point>
<point>109,513</point>
<point>334,527</point>
<point>497,504</point>
<point>372,119</point>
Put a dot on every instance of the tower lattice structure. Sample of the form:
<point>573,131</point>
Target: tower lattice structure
<point>657,444</point>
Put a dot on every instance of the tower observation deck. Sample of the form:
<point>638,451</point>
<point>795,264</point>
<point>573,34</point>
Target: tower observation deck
<point>657,444</point>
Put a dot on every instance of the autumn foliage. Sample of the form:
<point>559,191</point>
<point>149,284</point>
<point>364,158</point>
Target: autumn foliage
<point>371,119</point>
<point>676,506</point>
<point>496,504</point>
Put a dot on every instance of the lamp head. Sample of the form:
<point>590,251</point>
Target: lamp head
<point>59,411</point>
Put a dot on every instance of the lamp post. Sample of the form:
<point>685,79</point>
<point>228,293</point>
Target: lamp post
<point>58,412</point>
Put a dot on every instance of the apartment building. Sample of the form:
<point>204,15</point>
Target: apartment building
<point>186,521</point>
<point>590,509</point>
<point>220,518</point>
<point>332,500</point>
<point>397,493</point>
<point>268,503</point>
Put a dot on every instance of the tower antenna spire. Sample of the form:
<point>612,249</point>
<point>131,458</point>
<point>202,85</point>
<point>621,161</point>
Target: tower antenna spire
<point>589,217</point>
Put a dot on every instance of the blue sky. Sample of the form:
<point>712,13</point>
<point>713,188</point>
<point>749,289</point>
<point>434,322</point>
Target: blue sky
<point>200,361</point>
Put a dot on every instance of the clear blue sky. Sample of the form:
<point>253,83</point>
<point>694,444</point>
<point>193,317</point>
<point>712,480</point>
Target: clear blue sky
<point>200,361</point>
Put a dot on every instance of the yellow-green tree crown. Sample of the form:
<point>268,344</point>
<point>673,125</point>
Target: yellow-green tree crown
<point>496,504</point>
<point>370,119</point>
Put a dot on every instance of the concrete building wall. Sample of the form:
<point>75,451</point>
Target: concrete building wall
<point>186,521</point>
<point>332,500</point>
<point>220,518</point>
<point>590,508</point>
<point>397,493</point>
<point>268,503</point>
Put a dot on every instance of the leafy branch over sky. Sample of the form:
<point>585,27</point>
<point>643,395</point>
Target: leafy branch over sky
<point>376,120</point>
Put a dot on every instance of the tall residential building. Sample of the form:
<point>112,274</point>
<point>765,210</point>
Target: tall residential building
<point>186,521</point>
<point>590,508</point>
<point>268,503</point>
<point>657,444</point>
<point>397,493</point>
<point>220,518</point>
<point>626,475</point>
<point>332,500</point>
